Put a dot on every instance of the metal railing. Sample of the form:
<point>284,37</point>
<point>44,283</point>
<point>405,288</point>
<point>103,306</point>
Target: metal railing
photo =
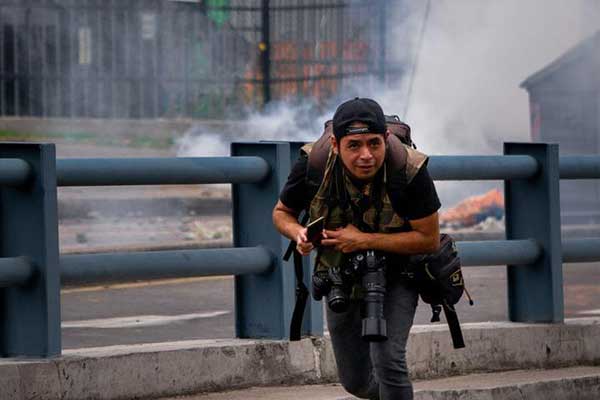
<point>31,269</point>
<point>160,171</point>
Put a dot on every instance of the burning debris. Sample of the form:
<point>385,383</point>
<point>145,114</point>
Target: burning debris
<point>474,210</point>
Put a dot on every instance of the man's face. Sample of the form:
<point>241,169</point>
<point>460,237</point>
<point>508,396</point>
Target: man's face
<point>362,154</point>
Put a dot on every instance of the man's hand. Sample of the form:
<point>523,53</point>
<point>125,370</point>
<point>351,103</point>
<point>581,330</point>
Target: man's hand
<point>286,222</point>
<point>346,240</point>
<point>303,246</point>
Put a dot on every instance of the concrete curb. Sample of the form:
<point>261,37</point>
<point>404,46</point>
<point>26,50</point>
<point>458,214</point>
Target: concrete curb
<point>165,369</point>
<point>168,369</point>
<point>499,346</point>
<point>581,383</point>
<point>586,388</point>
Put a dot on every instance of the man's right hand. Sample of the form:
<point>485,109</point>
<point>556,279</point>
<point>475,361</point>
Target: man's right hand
<point>303,246</point>
<point>286,222</point>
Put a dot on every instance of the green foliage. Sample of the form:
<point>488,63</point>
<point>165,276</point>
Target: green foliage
<point>218,16</point>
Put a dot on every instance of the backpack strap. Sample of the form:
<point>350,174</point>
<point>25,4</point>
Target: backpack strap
<point>402,165</point>
<point>317,154</point>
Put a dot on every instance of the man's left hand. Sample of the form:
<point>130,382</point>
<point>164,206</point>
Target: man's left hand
<point>346,240</point>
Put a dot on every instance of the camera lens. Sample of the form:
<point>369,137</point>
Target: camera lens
<point>337,300</point>
<point>374,327</point>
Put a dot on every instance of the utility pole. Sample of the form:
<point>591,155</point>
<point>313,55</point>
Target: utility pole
<point>265,49</point>
<point>382,40</point>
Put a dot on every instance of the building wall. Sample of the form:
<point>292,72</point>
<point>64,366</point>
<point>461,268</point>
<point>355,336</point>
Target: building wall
<point>565,109</point>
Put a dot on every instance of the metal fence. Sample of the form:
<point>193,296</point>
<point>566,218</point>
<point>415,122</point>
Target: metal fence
<point>31,269</point>
<point>165,59</point>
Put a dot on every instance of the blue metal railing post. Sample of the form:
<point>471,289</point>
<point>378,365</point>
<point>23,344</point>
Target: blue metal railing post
<point>263,302</point>
<point>30,311</point>
<point>312,324</point>
<point>535,291</point>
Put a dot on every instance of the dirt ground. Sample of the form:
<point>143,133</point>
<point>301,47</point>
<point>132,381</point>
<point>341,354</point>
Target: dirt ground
<point>143,217</point>
<point>141,233</point>
<point>108,229</point>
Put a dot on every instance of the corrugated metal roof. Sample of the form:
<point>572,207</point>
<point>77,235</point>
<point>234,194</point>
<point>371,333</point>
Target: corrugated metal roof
<point>583,49</point>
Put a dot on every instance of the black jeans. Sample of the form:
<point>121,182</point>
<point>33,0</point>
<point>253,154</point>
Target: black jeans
<point>375,371</point>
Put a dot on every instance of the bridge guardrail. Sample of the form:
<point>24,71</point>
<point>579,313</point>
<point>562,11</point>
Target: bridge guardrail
<point>31,269</point>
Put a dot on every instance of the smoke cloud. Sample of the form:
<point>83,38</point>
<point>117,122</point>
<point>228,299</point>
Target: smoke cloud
<point>280,121</point>
<point>463,95</point>
<point>474,55</point>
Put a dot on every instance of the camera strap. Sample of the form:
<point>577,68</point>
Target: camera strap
<point>301,289</point>
<point>301,297</point>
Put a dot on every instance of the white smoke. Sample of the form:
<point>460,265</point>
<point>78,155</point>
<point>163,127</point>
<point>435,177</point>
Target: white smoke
<point>199,142</point>
<point>464,92</point>
<point>284,121</point>
<point>472,57</point>
<point>474,54</point>
<point>281,121</point>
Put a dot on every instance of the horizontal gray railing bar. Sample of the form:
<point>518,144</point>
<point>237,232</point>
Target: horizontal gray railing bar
<point>123,267</point>
<point>14,171</point>
<point>581,250</point>
<point>160,171</point>
<point>498,252</point>
<point>448,168</point>
<point>579,167</point>
<point>15,271</point>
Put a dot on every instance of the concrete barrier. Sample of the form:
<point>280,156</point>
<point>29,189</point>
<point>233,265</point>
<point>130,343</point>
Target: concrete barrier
<point>168,369</point>
<point>500,346</point>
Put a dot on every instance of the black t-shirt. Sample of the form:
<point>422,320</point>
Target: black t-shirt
<point>418,200</point>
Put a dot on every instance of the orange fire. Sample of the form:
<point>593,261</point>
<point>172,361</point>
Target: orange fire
<point>475,209</point>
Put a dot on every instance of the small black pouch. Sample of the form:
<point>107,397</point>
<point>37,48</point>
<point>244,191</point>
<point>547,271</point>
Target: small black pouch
<point>439,280</point>
<point>438,275</point>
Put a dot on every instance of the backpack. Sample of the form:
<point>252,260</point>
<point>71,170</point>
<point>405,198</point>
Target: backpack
<point>319,151</point>
<point>401,155</point>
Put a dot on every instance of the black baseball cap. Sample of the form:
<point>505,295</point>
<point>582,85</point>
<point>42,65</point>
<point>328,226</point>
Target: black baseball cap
<point>358,109</point>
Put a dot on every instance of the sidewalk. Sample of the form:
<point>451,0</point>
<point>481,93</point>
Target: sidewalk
<point>577,383</point>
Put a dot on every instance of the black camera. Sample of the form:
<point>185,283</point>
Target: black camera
<point>368,269</point>
<point>335,283</point>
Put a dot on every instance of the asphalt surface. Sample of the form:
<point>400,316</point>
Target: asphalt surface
<point>202,308</point>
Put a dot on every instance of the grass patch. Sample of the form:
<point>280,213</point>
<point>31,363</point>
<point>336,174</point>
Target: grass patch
<point>138,141</point>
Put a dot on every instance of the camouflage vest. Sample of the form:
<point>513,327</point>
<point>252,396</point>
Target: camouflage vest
<point>401,165</point>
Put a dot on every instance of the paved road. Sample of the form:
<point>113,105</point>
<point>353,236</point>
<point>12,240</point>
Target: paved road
<point>203,307</point>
